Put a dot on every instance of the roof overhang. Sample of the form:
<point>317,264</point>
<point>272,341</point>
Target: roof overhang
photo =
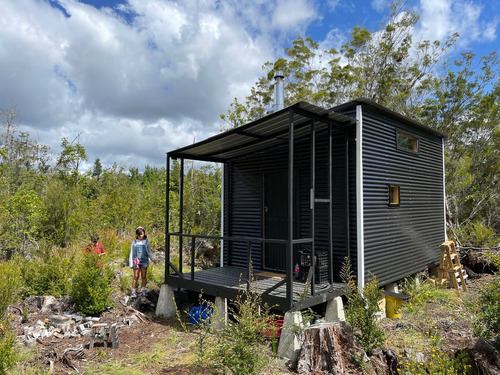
<point>389,113</point>
<point>263,134</point>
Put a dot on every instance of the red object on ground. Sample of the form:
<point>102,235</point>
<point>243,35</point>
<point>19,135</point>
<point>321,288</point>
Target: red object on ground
<point>276,331</point>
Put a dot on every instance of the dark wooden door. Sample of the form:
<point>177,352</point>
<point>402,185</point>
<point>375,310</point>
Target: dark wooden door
<point>275,219</point>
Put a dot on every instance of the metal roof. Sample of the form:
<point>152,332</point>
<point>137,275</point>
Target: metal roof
<point>264,133</point>
<point>388,112</point>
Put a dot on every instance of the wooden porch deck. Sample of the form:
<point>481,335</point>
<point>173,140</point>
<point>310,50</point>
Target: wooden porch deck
<point>216,280</point>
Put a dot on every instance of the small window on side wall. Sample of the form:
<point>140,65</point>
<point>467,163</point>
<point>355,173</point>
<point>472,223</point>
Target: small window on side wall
<point>406,142</point>
<point>393,195</point>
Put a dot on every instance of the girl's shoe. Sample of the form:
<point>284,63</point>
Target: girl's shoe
<point>133,295</point>
<point>144,292</point>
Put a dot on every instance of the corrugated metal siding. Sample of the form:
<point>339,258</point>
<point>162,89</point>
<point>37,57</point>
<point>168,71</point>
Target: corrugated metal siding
<point>340,215</point>
<point>244,201</point>
<point>244,197</point>
<point>400,241</point>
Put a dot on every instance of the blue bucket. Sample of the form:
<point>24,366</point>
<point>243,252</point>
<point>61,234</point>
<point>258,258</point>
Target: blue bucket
<point>200,314</point>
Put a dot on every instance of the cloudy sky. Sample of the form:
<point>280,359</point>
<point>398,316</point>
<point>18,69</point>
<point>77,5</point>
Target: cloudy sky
<point>134,79</point>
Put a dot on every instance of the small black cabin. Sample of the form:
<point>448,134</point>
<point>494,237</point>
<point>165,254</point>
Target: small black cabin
<point>304,183</point>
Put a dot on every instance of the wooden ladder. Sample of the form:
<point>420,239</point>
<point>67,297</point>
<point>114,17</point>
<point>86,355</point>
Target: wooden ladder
<point>449,266</point>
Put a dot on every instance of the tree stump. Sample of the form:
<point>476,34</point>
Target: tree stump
<point>329,348</point>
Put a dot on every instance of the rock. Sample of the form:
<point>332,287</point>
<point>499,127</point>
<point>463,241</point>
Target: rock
<point>330,348</point>
<point>50,305</point>
<point>64,323</point>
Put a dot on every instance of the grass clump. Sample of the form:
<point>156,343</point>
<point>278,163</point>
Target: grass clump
<point>420,293</point>
<point>436,362</point>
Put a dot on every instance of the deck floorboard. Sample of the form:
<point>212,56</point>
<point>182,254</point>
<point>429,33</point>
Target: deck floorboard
<point>236,278</point>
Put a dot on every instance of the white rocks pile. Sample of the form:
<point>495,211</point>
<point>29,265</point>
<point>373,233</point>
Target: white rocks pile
<point>59,327</point>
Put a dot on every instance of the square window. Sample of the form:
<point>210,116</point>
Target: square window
<point>407,142</point>
<point>393,195</point>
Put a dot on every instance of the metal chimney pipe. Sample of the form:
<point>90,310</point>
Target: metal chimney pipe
<point>279,91</point>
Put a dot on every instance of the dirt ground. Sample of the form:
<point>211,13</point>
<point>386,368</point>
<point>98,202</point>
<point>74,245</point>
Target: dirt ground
<point>168,349</point>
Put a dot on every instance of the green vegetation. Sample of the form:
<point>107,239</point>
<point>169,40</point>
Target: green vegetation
<point>8,351</point>
<point>439,363</point>
<point>9,285</point>
<point>487,322</point>
<point>91,288</point>
<point>49,208</point>
<point>488,311</point>
<point>421,292</point>
<point>362,310</point>
<point>239,348</point>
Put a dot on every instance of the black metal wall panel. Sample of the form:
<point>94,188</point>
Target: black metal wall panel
<point>245,200</point>
<point>244,205</point>
<point>402,240</point>
<point>340,205</point>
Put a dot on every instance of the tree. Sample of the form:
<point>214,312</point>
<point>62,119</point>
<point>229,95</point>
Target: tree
<point>466,106</point>
<point>386,66</point>
<point>72,155</point>
<point>23,168</point>
<point>97,170</point>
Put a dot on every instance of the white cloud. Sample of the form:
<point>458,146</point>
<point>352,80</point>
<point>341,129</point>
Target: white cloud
<point>146,77</point>
<point>130,77</point>
<point>441,18</point>
<point>379,5</point>
<point>292,15</point>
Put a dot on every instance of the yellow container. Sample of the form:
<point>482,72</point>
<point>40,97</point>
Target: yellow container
<point>393,303</point>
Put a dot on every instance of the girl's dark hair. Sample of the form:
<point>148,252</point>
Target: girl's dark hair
<point>140,230</point>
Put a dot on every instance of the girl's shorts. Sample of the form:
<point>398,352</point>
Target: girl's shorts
<point>140,263</point>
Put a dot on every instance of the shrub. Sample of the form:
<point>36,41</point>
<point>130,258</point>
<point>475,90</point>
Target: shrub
<point>91,290</point>
<point>493,258</point>
<point>239,348</point>
<point>479,233</point>
<point>488,317</point>
<point>156,275</point>
<point>49,273</point>
<point>109,239</point>
<point>8,351</point>
<point>362,309</point>
<point>10,282</point>
<point>124,251</point>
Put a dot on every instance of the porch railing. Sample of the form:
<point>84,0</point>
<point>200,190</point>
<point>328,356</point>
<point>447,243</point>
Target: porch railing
<point>250,241</point>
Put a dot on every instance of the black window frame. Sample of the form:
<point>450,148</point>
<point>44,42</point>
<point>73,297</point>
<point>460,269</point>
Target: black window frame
<point>400,132</point>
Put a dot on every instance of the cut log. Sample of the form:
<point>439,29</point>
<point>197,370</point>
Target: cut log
<point>330,348</point>
<point>485,356</point>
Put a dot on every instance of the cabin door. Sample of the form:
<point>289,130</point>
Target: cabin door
<point>275,219</point>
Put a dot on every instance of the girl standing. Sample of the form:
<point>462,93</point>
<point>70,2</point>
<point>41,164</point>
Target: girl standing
<point>140,253</point>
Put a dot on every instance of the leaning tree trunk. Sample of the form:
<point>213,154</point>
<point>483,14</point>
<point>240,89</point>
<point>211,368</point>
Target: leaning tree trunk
<point>331,348</point>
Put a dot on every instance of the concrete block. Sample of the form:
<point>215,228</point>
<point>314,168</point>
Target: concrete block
<point>392,287</point>
<point>220,319</point>
<point>335,310</point>
<point>166,302</point>
<point>291,336</point>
